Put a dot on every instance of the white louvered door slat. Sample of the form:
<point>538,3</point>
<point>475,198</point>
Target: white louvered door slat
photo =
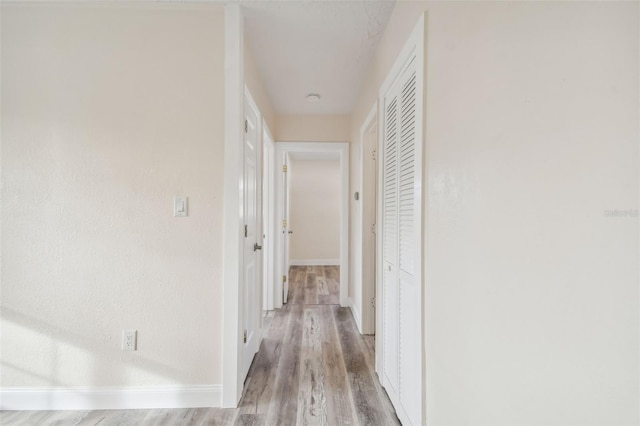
<point>390,243</point>
<point>402,354</point>
<point>390,181</point>
<point>406,175</point>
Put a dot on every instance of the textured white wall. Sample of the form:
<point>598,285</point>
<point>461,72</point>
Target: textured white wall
<point>107,113</point>
<point>313,128</point>
<point>531,141</point>
<point>253,80</point>
<point>315,209</point>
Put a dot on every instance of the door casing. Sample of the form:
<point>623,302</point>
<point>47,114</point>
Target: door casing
<point>341,149</point>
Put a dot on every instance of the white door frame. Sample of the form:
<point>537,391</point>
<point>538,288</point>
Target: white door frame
<point>269,226</point>
<point>367,320</point>
<point>320,148</point>
<point>285,205</point>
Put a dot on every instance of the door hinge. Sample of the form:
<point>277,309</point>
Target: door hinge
<point>284,278</point>
<point>284,223</point>
<point>373,228</point>
<point>244,336</point>
<point>373,302</point>
<point>246,231</point>
<point>373,154</point>
<point>246,126</point>
<point>284,169</point>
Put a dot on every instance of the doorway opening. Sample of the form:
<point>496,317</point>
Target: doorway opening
<point>309,157</point>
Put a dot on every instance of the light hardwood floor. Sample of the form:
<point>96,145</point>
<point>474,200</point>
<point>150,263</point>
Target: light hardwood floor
<point>313,368</point>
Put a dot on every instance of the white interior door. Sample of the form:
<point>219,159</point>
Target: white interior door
<point>252,291</point>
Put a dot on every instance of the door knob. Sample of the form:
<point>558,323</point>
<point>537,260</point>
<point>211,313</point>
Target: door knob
<point>290,232</point>
<point>256,247</point>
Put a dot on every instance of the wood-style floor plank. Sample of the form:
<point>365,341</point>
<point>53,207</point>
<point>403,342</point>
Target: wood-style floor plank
<point>260,381</point>
<point>7,415</point>
<point>361,380</point>
<point>312,400</point>
<point>250,420</point>
<point>332,272</point>
<point>28,418</point>
<point>285,394</point>
<point>296,287</point>
<point>313,368</point>
<point>311,289</point>
<point>322,286</point>
<point>339,400</point>
<point>220,417</point>
<point>113,417</point>
<point>164,417</point>
<point>65,418</point>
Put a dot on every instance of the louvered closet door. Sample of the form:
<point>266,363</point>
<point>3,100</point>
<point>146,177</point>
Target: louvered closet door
<point>402,360</point>
<point>390,343</point>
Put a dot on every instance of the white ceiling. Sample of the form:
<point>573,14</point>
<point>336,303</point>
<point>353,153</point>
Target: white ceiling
<point>314,46</point>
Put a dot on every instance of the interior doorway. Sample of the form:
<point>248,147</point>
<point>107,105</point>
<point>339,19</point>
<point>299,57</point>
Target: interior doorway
<point>288,153</point>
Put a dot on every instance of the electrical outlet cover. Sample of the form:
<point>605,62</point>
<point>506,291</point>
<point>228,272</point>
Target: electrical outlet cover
<point>129,340</point>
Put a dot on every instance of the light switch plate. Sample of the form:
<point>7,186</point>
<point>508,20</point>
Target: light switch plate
<point>180,206</point>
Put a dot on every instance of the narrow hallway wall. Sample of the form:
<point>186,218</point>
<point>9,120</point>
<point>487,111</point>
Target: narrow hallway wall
<point>315,212</point>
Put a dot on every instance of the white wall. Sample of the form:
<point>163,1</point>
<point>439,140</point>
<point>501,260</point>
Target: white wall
<point>531,286</point>
<point>314,211</point>
<point>253,80</point>
<point>313,128</point>
<point>107,113</point>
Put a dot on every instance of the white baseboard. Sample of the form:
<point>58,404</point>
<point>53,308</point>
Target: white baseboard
<point>314,262</point>
<point>103,399</point>
<point>357,316</point>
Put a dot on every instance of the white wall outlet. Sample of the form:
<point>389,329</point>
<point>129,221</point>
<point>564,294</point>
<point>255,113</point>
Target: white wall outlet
<point>179,206</point>
<point>129,340</point>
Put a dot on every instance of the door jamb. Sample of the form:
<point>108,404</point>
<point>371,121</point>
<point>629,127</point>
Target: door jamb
<point>269,227</point>
<point>366,327</point>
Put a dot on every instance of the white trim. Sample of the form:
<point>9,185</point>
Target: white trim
<point>269,226</point>
<point>356,314</point>
<point>321,147</point>
<point>110,398</point>
<point>367,308</point>
<point>233,205</point>
<point>314,262</point>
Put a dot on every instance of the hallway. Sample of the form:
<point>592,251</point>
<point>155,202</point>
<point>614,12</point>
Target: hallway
<point>313,368</point>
